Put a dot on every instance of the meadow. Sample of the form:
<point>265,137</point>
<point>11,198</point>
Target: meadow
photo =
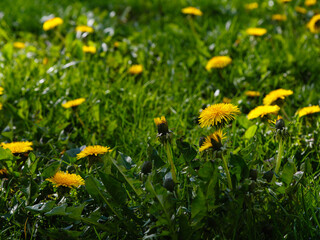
<point>159,119</point>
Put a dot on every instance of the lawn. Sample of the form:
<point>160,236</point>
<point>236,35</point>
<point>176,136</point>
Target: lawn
<point>142,119</point>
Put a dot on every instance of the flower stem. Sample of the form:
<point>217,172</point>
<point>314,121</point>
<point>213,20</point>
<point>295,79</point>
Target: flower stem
<point>170,159</point>
<point>278,161</point>
<point>226,169</point>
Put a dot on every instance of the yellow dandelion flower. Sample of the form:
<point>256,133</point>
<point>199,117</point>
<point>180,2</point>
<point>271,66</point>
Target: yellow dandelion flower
<point>192,11</point>
<point>84,28</point>
<point>93,151</point>
<point>308,110</point>
<point>19,45</point>
<point>52,23</point>
<point>218,62</point>
<point>136,69</point>
<point>1,90</point>
<point>301,10</point>
<point>66,179</point>
<point>0,106</point>
<point>162,125</point>
<point>45,61</point>
<point>89,49</point>
<point>18,147</point>
<point>160,120</point>
<point>3,171</point>
<point>252,93</point>
<point>310,2</point>
<point>218,114</point>
<point>275,95</point>
<point>251,6</point>
<point>116,44</point>
<point>279,17</point>
<point>213,141</point>
<point>256,31</point>
<point>73,103</point>
<point>261,111</point>
<point>314,24</point>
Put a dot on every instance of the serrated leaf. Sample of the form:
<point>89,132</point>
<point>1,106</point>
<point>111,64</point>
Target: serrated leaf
<point>42,207</point>
<point>5,154</point>
<point>50,170</point>
<point>60,210</point>
<point>187,151</point>
<point>114,187</point>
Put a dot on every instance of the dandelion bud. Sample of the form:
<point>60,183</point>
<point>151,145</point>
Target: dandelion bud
<point>280,124</point>
<point>253,174</point>
<point>169,184</point>
<point>268,176</point>
<point>146,167</point>
<point>163,129</point>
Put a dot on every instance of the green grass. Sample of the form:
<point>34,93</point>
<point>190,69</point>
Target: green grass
<point>117,201</point>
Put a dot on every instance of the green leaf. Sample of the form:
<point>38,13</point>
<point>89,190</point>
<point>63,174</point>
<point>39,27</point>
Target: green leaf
<point>7,51</point>
<point>198,207</point>
<point>153,156</point>
<point>206,171</point>
<point>244,122</point>
<point>93,189</point>
<point>60,210</point>
<point>188,152</point>
<point>5,154</point>
<point>114,187</point>
<point>42,207</point>
<point>74,212</point>
<point>50,170</point>
<point>250,132</point>
<point>238,167</point>
<point>125,161</point>
<point>287,173</point>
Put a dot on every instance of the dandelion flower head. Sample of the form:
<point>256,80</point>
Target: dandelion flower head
<point>1,90</point>
<point>160,120</point>
<point>218,62</point>
<point>256,31</point>
<point>52,23</point>
<point>213,141</point>
<point>136,69</point>
<point>192,11</point>
<point>18,147</point>
<point>301,10</point>
<point>251,6</point>
<point>218,114</point>
<point>73,103</point>
<point>279,17</point>
<point>84,28</point>
<point>93,151</point>
<point>308,110</point>
<point>314,24</point>
<point>19,45</point>
<point>3,171</point>
<point>66,179</point>
<point>275,95</point>
<point>310,2</point>
<point>89,49</point>
<point>261,111</point>
<point>252,93</point>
